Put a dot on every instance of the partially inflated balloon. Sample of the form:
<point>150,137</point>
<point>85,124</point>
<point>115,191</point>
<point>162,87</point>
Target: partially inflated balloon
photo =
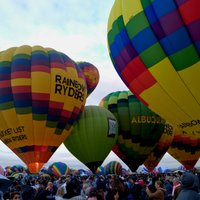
<point>42,93</point>
<point>8,171</point>
<point>100,171</point>
<point>91,74</point>
<point>155,47</point>
<point>139,127</point>
<point>125,172</point>
<point>93,136</point>
<point>113,167</point>
<point>161,147</point>
<point>17,168</point>
<point>59,169</point>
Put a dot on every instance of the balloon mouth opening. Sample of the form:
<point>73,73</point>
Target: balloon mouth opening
<point>35,167</point>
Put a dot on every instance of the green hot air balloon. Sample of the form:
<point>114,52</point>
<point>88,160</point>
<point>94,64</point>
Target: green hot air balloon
<point>93,136</point>
<point>139,127</point>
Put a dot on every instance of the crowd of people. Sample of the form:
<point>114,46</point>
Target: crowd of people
<point>171,186</point>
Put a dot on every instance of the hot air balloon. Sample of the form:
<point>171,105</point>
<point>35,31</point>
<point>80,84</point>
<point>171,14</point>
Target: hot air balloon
<point>91,75</point>
<point>161,147</point>
<point>100,171</point>
<point>155,47</point>
<point>184,150</point>
<point>44,170</point>
<point>17,168</point>
<point>125,172</point>
<point>93,136</point>
<point>139,128</point>
<point>42,93</point>
<point>8,171</point>
<point>113,167</point>
<point>59,169</point>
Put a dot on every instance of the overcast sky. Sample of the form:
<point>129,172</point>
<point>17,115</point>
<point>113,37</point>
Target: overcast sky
<point>75,27</point>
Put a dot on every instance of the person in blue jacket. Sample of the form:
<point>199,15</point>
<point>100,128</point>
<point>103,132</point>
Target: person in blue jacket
<point>189,187</point>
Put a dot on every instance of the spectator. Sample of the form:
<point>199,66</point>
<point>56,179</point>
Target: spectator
<point>15,196</point>
<point>189,187</point>
<point>159,194</point>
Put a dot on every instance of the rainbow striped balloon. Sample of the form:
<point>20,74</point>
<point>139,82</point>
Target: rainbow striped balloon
<point>113,167</point>
<point>100,171</point>
<point>42,93</point>
<point>59,169</point>
<point>155,47</point>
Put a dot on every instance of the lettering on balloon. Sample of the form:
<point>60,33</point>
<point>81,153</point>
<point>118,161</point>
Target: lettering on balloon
<point>147,119</point>
<point>13,134</point>
<point>189,124</point>
<point>10,131</point>
<point>112,127</point>
<point>14,139</point>
<point>69,87</point>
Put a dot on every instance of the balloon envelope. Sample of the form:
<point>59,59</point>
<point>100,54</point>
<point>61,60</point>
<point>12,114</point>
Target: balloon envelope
<point>185,150</point>
<point>139,127</point>
<point>100,171</point>
<point>42,93</point>
<point>59,169</point>
<point>91,75</point>
<point>93,136</point>
<point>17,168</point>
<point>113,167</point>
<point>161,147</point>
<point>155,48</point>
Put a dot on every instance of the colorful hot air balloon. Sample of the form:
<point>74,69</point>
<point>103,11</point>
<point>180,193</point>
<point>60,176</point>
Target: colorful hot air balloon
<point>184,149</point>
<point>44,170</point>
<point>59,169</point>
<point>155,47</point>
<point>8,171</point>
<point>161,147</point>
<point>113,167</point>
<point>42,93</point>
<point>91,75</point>
<point>93,136</point>
<point>139,127</point>
<point>100,171</point>
<point>17,168</point>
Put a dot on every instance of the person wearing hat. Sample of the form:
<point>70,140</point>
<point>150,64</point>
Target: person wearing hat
<point>189,187</point>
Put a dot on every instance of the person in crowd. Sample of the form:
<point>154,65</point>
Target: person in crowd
<point>15,196</point>
<point>133,189</point>
<point>168,185</point>
<point>73,190</point>
<point>176,187</point>
<point>143,193</point>
<point>92,195</point>
<point>101,187</point>
<point>189,187</point>
<point>116,190</point>
<point>159,194</point>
